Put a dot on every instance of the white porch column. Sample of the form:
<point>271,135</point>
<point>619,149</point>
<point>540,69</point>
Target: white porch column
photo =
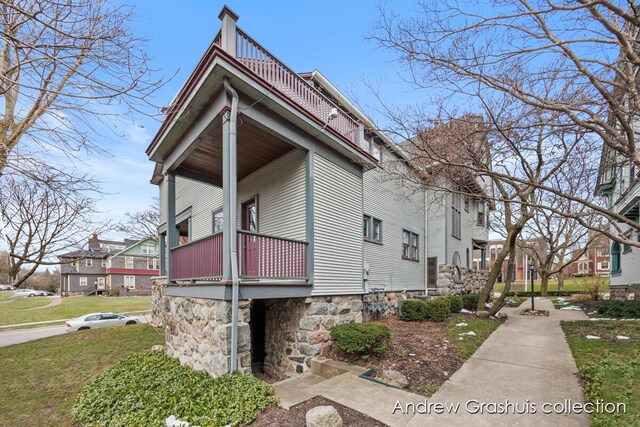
<point>172,231</point>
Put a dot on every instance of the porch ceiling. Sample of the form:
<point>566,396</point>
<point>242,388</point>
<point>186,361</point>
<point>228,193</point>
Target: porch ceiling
<point>256,148</point>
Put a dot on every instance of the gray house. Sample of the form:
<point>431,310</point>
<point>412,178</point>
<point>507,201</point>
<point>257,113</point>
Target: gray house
<point>277,213</point>
<point>107,266</point>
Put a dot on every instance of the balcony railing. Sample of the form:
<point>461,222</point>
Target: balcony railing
<point>259,256</point>
<point>270,69</point>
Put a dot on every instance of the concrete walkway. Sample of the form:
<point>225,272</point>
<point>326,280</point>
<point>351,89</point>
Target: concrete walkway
<point>526,362</point>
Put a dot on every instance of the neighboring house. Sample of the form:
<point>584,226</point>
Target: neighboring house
<point>522,260</point>
<point>618,182</point>
<point>274,180</point>
<point>595,260</point>
<point>106,266</point>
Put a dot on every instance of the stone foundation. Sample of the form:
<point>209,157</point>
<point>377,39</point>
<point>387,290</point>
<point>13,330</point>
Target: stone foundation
<point>158,302</point>
<point>622,293</point>
<point>378,304</point>
<point>297,330</point>
<point>454,280</point>
<point>198,333</point>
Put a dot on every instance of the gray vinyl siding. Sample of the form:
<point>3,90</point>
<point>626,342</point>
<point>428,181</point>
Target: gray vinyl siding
<point>280,187</point>
<point>629,262</point>
<point>388,199</point>
<point>338,225</point>
<point>441,243</point>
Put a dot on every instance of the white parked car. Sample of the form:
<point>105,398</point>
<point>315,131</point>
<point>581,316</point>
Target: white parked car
<point>100,320</point>
<point>7,288</point>
<point>26,293</point>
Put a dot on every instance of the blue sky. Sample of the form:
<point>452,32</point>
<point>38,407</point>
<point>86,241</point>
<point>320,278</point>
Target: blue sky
<point>324,35</point>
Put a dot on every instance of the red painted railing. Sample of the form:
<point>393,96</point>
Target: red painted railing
<point>200,259</point>
<point>271,257</point>
<point>259,256</point>
<point>274,72</point>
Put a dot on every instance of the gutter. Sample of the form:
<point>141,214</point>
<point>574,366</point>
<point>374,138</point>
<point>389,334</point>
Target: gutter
<point>235,294</point>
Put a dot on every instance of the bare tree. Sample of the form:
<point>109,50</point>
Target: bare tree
<point>143,224</point>
<point>573,66</point>
<point>44,217</point>
<point>67,70</point>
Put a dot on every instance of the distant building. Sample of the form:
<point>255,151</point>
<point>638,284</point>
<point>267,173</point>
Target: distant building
<point>595,261</point>
<point>494,247</point>
<point>110,267</point>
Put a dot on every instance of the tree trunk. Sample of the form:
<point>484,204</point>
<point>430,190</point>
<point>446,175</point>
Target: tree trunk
<point>499,303</point>
<point>544,283</point>
<point>561,281</point>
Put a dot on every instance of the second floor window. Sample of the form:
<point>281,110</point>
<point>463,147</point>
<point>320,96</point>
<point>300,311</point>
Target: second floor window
<point>481,216</point>
<point>88,262</point>
<point>371,229</point>
<point>128,262</point>
<point>410,245</point>
<point>456,216</point>
<point>104,262</point>
<point>152,264</point>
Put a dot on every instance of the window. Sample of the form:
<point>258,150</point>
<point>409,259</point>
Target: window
<point>615,258</point>
<point>583,266</point>
<point>376,152</point>
<point>371,229</point>
<point>456,216</point>
<point>147,249</point>
<point>410,245</point>
<point>92,318</point>
<point>83,281</point>
<point>466,204</point>
<point>217,221</point>
<point>626,248</point>
<point>130,282</point>
<point>604,265</point>
<point>101,282</point>
<point>88,262</point>
<point>104,263</point>
<point>75,265</point>
<point>128,262</point>
<point>152,264</point>
<point>481,222</point>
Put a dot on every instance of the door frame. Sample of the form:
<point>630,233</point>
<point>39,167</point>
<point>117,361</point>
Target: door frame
<point>243,219</point>
<point>429,284</point>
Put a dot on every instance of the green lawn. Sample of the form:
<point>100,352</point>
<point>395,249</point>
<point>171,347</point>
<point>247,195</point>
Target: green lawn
<point>469,344</point>
<point>16,310</point>
<point>609,368</point>
<point>39,380</point>
<point>570,284</point>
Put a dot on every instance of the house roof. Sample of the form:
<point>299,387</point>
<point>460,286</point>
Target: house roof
<point>96,248</point>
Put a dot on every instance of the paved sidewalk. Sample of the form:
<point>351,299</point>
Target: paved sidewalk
<point>527,358</point>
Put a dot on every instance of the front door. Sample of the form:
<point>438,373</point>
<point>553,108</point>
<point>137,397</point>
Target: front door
<point>249,243</point>
<point>101,283</point>
<point>432,272</point>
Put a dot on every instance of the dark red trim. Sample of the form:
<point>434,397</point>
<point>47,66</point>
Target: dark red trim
<point>133,271</point>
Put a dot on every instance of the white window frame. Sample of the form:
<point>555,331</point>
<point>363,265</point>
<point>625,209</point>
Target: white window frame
<point>128,260</point>
<point>369,224</point>
<point>456,215</point>
<point>104,262</point>
<point>130,282</point>
<point>83,281</point>
<point>410,245</point>
<point>88,262</point>
<point>153,262</point>
<point>101,281</point>
<point>147,249</point>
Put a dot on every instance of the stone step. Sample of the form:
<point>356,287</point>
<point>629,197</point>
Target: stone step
<point>295,390</point>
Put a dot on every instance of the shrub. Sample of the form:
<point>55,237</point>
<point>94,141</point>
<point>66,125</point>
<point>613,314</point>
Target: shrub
<point>455,303</point>
<point>619,309</point>
<point>146,388</point>
<point>362,338</point>
<point>470,301</point>
<point>414,310</point>
<point>438,310</point>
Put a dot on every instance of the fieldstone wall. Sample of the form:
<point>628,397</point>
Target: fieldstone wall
<point>378,304</point>
<point>297,329</point>
<point>158,303</point>
<point>622,293</point>
<point>450,282</point>
<point>198,333</point>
